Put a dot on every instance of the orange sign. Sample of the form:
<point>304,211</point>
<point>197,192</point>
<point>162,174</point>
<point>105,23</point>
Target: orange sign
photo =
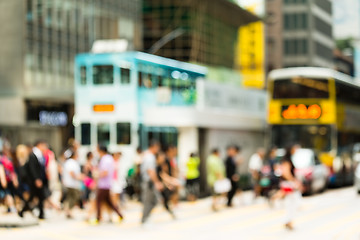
<point>103,108</point>
<point>302,112</point>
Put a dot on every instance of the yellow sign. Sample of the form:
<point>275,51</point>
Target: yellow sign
<point>103,108</point>
<point>250,59</point>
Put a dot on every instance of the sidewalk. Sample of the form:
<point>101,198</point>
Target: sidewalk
<point>14,221</point>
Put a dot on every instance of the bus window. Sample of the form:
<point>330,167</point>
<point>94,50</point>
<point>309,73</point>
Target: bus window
<point>103,74</point>
<point>301,88</point>
<point>103,134</point>
<point>123,131</point>
<point>125,75</point>
<point>85,133</point>
<point>83,75</point>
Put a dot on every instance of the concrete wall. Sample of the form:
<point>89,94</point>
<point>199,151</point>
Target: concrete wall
<point>188,142</point>
<point>11,47</point>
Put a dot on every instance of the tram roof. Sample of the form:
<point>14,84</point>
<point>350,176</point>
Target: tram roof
<point>147,58</point>
<point>314,72</point>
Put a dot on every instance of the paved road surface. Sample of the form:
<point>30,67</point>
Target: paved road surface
<point>334,214</point>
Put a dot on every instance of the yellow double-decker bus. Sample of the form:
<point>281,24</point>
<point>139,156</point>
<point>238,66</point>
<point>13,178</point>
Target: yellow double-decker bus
<point>318,108</point>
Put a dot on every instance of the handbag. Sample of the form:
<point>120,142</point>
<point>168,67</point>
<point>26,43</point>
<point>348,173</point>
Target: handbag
<point>222,186</point>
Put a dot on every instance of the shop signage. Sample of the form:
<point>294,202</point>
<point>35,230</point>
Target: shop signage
<point>103,108</point>
<point>224,97</point>
<point>53,118</point>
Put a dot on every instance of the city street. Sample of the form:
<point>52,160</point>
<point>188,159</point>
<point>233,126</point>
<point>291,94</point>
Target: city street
<point>334,214</point>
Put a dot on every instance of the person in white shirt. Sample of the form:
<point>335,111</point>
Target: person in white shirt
<point>119,179</point>
<point>150,181</point>
<point>255,165</point>
<point>72,178</point>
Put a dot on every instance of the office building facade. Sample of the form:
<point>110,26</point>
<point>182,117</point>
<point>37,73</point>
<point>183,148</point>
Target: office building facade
<point>299,33</point>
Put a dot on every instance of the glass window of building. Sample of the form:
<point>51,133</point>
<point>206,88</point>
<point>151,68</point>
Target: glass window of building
<point>39,9</point>
<point>287,21</point>
<point>125,75</point>
<point>103,134</point>
<point>103,74</point>
<point>85,133</point>
<point>29,13</point>
<point>83,75</point>
<point>123,133</point>
<point>304,20</point>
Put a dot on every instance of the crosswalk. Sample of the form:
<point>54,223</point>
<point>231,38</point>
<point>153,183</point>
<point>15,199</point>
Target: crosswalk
<point>333,215</point>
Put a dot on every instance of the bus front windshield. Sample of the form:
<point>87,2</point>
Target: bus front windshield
<point>301,88</point>
<point>316,137</point>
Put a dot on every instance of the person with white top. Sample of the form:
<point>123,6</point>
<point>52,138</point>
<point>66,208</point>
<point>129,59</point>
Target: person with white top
<point>72,178</point>
<point>150,181</point>
<point>255,166</point>
<point>119,178</point>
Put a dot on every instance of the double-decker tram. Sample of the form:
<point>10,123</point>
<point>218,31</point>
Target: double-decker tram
<point>318,108</point>
<point>123,100</point>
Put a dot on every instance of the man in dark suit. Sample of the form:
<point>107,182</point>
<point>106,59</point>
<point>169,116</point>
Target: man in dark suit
<point>36,175</point>
<point>231,171</point>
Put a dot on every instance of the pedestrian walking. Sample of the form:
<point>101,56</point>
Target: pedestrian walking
<point>20,162</point>
<point>6,160</point>
<point>105,175</point>
<point>173,171</point>
<point>119,180</point>
<point>150,181</point>
<point>290,186</point>
<point>37,178</point>
<point>256,163</point>
<point>72,178</point>
<point>3,183</point>
<point>90,185</point>
<point>231,172</point>
<point>192,177</point>
<point>169,183</point>
<point>215,173</point>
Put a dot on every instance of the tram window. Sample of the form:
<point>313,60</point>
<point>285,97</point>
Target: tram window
<point>103,134</point>
<point>166,82</point>
<point>160,81</point>
<point>125,75</point>
<point>140,79</point>
<point>123,131</point>
<point>148,83</point>
<point>103,74</point>
<point>83,75</point>
<point>85,133</point>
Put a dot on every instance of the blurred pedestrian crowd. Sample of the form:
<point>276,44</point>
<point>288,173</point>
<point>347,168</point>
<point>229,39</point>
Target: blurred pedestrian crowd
<point>33,178</point>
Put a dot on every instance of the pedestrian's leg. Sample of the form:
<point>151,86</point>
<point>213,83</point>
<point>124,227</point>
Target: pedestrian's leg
<point>290,210</point>
<point>27,202</point>
<point>41,207</point>
<point>231,193</point>
<point>149,201</point>
<point>111,204</point>
<point>99,200</point>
